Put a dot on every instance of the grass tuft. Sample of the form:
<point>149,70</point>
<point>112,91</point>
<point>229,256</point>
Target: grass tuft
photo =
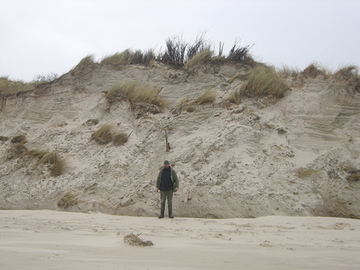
<point>234,97</point>
<point>4,139</point>
<point>314,70</point>
<point>120,139</point>
<point>19,139</point>
<point>207,97</point>
<point>103,135</point>
<point>58,164</point>
<point>349,74</point>
<point>127,57</point>
<point>67,201</point>
<point>201,58</point>
<point>135,93</point>
<point>288,71</point>
<point>238,54</point>
<point>306,172</point>
<point>13,87</point>
<point>263,81</point>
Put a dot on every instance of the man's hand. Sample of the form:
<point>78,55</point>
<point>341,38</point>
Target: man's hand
<point>157,190</point>
<point>176,189</point>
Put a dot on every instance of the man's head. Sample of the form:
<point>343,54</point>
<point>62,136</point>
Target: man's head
<point>166,164</point>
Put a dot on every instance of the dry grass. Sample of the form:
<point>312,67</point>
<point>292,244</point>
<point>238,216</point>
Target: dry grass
<point>314,70</point>
<point>103,135</point>
<point>287,71</point>
<point>58,164</point>
<point>350,75</point>
<point>36,153</point>
<point>67,201</point>
<point>306,172</point>
<point>4,139</point>
<point>135,93</point>
<point>120,139</point>
<point>207,97</point>
<point>13,87</point>
<point>19,139</point>
<point>355,176</point>
<point>202,58</point>
<point>127,57</point>
<point>234,97</point>
<point>263,81</point>
<point>134,240</point>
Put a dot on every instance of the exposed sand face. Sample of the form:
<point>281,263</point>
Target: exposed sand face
<point>240,161</point>
<point>62,240</point>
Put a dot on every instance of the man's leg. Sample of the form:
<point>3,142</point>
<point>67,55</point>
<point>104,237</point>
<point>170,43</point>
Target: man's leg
<point>162,198</point>
<point>169,197</point>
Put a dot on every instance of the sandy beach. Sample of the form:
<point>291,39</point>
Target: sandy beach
<point>44,239</point>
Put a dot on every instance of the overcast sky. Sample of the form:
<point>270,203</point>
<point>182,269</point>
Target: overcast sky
<point>39,37</point>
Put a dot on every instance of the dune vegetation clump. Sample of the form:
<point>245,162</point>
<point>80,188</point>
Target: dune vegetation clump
<point>135,92</point>
<point>306,172</point>
<point>103,135</point>
<point>128,57</point>
<point>68,200</point>
<point>207,97</point>
<point>349,75</point>
<point>234,97</point>
<point>56,162</point>
<point>263,81</point>
<point>314,70</point>
<point>12,87</point>
<point>120,139</point>
<point>19,139</point>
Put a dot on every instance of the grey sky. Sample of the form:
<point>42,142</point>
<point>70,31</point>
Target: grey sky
<point>39,37</point>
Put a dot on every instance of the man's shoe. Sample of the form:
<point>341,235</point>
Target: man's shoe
<point>160,217</point>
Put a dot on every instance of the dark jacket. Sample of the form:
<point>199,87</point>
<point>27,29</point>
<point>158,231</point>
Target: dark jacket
<point>174,178</point>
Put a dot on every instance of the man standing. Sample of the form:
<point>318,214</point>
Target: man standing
<point>167,182</point>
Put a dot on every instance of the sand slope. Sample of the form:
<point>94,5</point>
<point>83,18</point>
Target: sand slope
<point>232,161</point>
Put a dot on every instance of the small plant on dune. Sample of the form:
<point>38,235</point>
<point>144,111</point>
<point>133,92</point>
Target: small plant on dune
<point>306,172</point>
<point>52,158</point>
<point>67,201</point>
<point>135,93</point>
<point>238,54</point>
<point>263,81</point>
<point>103,135</point>
<point>234,97</point>
<point>39,79</point>
<point>120,139</point>
<point>349,74</point>
<point>314,70</point>
<point>207,97</point>
<point>19,139</point>
<point>128,57</point>
<point>175,53</point>
<point>36,153</point>
<point>288,71</point>
<point>16,150</point>
<point>355,176</point>
<point>201,58</point>
<point>4,139</point>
